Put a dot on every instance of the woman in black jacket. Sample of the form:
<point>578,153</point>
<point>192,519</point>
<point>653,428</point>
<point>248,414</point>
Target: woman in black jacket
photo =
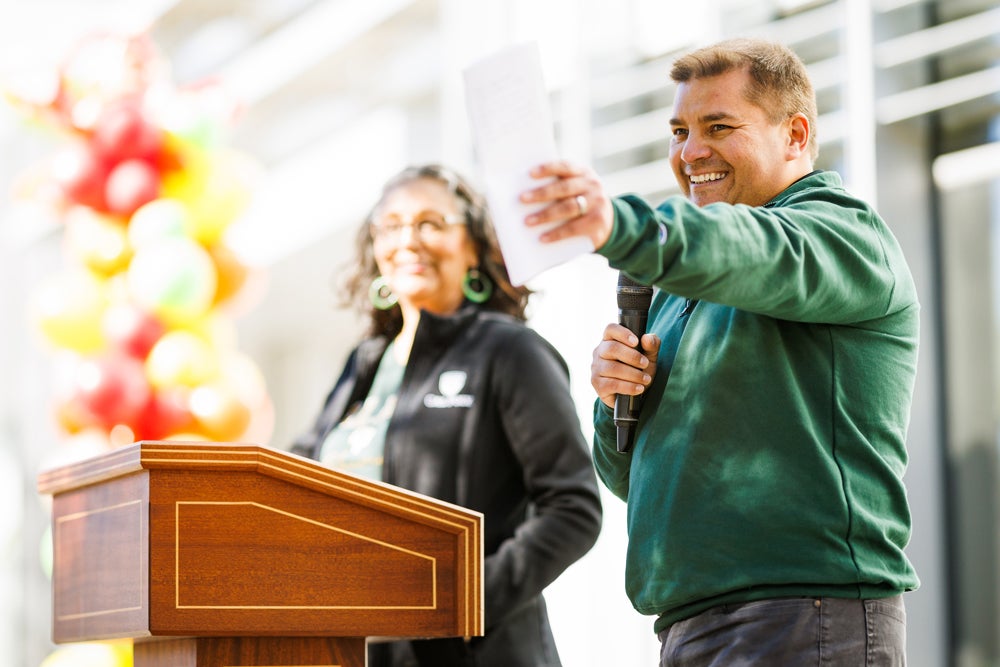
<point>451,395</point>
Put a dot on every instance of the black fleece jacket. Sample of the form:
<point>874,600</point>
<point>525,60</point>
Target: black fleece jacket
<point>484,419</point>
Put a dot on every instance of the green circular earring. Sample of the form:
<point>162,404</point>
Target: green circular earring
<point>381,294</point>
<point>477,286</point>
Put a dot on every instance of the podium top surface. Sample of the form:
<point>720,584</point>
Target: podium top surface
<point>224,456</point>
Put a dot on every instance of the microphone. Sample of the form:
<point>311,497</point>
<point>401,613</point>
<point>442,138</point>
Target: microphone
<point>633,312</point>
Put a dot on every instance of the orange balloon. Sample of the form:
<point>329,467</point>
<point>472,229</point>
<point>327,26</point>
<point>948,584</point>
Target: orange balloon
<point>219,412</point>
<point>72,417</point>
<point>231,272</point>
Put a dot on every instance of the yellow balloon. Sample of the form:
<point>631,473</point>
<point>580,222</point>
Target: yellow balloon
<point>123,648</point>
<point>188,436</point>
<point>97,654</point>
<point>181,358</point>
<point>68,308</point>
<point>223,198</point>
<point>217,330</point>
<point>215,187</point>
<point>99,241</point>
<point>186,179</point>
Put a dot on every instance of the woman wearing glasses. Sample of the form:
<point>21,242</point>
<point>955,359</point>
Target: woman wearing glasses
<point>453,396</point>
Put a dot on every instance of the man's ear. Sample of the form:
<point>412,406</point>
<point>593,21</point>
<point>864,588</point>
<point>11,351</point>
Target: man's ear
<point>798,136</point>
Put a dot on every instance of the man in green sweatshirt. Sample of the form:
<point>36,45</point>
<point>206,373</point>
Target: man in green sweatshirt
<point>767,515</point>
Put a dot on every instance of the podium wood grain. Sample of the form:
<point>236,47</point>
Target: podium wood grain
<point>210,541</point>
<point>255,651</point>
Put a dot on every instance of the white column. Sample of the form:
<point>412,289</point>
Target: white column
<point>859,100</point>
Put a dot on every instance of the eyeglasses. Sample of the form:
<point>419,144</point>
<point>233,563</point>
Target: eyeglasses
<point>428,226</point>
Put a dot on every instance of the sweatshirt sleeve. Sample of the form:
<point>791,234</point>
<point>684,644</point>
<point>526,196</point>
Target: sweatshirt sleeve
<point>811,259</point>
<point>612,466</point>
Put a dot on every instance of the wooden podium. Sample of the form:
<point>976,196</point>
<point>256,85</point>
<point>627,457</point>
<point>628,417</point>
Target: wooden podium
<point>225,555</point>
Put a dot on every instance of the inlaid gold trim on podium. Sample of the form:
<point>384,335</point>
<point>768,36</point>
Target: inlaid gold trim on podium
<point>61,526</point>
<point>226,551</point>
<point>431,560</point>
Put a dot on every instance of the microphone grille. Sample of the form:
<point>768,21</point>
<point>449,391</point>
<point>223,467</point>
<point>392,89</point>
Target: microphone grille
<point>633,295</point>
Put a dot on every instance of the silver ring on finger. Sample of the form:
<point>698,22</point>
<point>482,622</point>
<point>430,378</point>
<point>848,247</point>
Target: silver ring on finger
<point>581,203</point>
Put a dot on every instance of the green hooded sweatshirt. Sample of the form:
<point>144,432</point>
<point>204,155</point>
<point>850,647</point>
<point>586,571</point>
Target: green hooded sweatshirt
<point>770,451</point>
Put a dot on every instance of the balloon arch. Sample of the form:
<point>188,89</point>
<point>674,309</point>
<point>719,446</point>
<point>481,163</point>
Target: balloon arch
<point>139,320</point>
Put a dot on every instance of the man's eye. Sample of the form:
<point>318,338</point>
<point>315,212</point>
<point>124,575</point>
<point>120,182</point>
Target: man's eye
<point>719,127</point>
<point>679,132</point>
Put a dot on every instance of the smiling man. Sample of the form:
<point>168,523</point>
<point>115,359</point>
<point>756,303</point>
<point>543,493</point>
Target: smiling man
<point>767,514</point>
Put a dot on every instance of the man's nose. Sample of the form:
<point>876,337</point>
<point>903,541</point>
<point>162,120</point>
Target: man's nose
<point>694,149</point>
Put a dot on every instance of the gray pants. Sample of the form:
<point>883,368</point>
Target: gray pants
<point>797,632</point>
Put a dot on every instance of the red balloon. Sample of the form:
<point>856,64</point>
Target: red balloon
<point>113,389</point>
<point>82,175</point>
<point>131,184</point>
<point>123,133</point>
<point>132,329</point>
<point>164,414</point>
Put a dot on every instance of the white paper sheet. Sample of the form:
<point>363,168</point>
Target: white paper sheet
<point>511,125</point>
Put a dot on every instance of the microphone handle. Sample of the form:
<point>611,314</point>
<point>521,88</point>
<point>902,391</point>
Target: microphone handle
<point>627,408</point>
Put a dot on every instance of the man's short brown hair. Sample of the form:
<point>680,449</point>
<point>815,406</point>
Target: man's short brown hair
<point>779,82</point>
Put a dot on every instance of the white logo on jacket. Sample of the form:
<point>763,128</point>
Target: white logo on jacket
<point>450,383</point>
